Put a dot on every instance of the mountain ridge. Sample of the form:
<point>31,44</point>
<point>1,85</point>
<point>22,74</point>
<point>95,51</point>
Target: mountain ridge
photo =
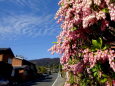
<point>46,61</point>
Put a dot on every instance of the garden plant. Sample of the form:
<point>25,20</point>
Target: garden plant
<point>85,42</point>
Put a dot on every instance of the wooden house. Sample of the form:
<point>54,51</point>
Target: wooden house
<point>6,55</point>
<point>23,70</point>
<point>17,62</point>
<point>5,70</point>
<point>16,69</point>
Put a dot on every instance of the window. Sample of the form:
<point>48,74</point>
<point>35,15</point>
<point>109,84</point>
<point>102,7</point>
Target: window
<point>9,60</point>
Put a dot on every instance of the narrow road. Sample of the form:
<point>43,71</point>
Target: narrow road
<point>59,81</point>
<point>46,82</point>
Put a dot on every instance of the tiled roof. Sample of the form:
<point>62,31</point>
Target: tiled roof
<point>6,51</point>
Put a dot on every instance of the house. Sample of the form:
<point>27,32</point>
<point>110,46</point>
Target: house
<point>6,55</point>
<point>17,62</point>
<point>16,69</point>
<point>23,70</point>
<point>5,70</point>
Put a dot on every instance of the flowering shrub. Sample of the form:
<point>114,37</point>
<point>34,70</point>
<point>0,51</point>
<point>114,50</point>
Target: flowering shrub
<point>84,42</point>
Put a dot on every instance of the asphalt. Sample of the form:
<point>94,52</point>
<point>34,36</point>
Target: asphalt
<point>59,81</point>
<point>46,82</point>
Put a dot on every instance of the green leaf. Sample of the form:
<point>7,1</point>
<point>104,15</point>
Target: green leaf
<point>103,80</point>
<point>93,49</point>
<point>71,81</point>
<point>105,10</point>
<point>97,43</point>
<point>74,28</point>
<point>113,60</point>
<point>112,1</point>
<point>95,74</point>
<point>105,47</point>
<point>99,66</point>
<point>94,69</point>
<point>94,42</point>
<point>84,46</point>
<point>101,42</point>
<point>62,4</point>
<point>55,42</point>
<point>104,75</point>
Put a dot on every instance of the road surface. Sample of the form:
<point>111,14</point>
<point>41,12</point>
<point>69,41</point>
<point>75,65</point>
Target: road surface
<point>52,80</point>
<point>59,81</point>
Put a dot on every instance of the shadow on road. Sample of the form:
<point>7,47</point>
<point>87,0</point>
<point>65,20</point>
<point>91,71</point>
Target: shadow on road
<point>38,82</point>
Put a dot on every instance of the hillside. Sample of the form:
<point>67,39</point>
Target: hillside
<point>46,61</point>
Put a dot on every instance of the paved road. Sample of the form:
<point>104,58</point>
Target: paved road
<point>59,81</point>
<point>47,82</point>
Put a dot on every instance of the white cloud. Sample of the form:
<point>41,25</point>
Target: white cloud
<point>13,25</point>
<point>27,25</point>
<point>35,5</point>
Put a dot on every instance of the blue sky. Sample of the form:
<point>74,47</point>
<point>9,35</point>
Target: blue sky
<point>28,27</point>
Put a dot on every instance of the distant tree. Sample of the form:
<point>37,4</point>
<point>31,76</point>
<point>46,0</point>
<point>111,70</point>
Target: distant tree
<point>41,69</point>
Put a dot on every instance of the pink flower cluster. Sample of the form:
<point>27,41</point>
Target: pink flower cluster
<point>67,84</point>
<point>112,11</point>
<point>76,17</point>
<point>75,68</point>
<point>80,14</point>
<point>67,44</point>
<point>74,12</point>
<point>93,57</point>
<point>109,84</point>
